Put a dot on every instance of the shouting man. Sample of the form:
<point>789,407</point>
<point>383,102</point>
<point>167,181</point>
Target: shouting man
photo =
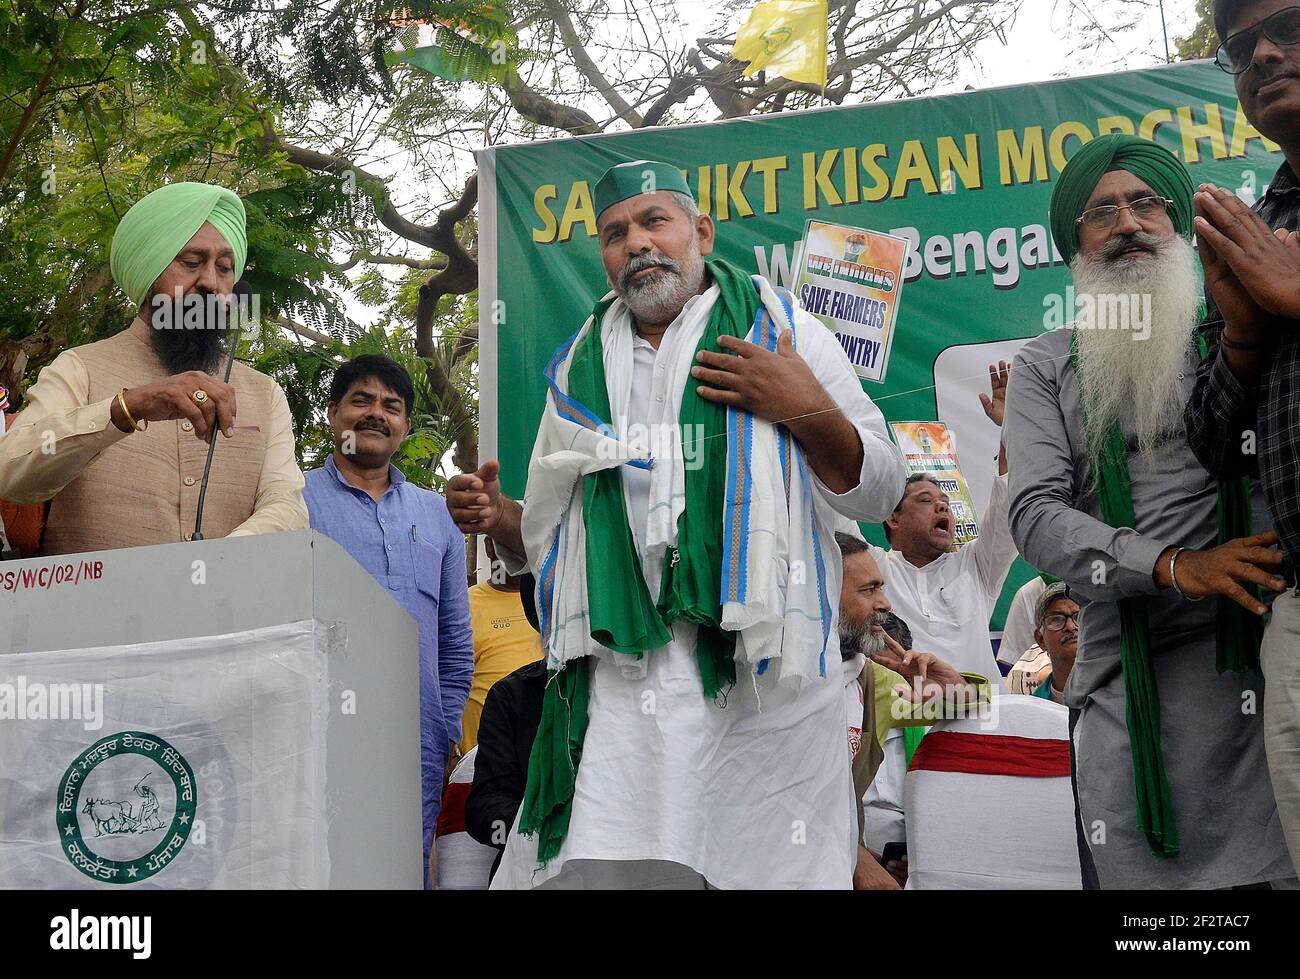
<point>700,436</point>
<point>1169,754</point>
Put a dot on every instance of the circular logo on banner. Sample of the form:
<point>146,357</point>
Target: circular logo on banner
<point>125,807</point>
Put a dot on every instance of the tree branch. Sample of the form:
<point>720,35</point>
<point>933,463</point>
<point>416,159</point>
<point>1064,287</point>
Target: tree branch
<point>412,263</point>
<point>560,15</point>
<point>389,216</point>
<point>535,107</point>
<point>306,332</point>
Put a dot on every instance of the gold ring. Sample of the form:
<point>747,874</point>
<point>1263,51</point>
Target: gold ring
<point>199,396</point>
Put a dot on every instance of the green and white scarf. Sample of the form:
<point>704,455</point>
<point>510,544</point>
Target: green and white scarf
<point>721,533</point>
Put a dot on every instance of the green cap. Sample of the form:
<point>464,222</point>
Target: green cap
<point>638,177</point>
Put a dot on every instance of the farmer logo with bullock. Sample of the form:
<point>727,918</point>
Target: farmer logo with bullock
<point>102,815</point>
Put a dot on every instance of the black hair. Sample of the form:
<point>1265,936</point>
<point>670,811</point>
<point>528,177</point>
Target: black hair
<point>385,370</point>
<point>1222,12</point>
<point>849,545</point>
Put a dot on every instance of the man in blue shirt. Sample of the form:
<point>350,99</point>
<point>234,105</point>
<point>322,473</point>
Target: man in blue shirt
<point>404,536</point>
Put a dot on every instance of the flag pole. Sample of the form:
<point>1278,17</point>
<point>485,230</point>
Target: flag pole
<point>1165,31</point>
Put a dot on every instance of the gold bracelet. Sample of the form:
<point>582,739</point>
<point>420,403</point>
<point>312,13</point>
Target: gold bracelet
<point>121,400</point>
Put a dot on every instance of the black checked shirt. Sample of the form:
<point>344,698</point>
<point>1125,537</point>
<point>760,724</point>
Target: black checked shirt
<point>1225,419</point>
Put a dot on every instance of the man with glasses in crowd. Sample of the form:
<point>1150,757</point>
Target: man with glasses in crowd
<point>1241,418</point>
<point>1169,768</point>
<point>1056,631</point>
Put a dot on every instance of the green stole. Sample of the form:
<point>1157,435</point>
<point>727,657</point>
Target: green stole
<point>623,617</point>
<point>1238,632</point>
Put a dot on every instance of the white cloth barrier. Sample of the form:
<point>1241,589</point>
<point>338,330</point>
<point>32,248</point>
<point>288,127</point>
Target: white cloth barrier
<point>464,864</point>
<point>966,781</point>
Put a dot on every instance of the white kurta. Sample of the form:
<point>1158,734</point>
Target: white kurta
<point>1018,631</point>
<point>755,792</point>
<point>947,604</point>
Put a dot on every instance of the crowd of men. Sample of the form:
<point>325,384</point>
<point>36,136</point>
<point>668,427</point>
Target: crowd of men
<point>644,693</point>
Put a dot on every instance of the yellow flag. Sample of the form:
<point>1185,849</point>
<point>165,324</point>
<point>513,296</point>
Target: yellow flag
<point>786,38</point>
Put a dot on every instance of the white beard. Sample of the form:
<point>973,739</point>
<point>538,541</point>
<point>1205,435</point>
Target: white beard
<point>662,299</point>
<point>1133,375</point>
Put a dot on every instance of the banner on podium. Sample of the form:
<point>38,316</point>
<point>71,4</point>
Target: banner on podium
<point>190,764</point>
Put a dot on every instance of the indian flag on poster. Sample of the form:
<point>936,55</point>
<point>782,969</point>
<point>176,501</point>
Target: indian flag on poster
<point>928,447</point>
<point>852,280</point>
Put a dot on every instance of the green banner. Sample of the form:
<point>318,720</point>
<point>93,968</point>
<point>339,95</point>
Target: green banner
<point>966,178</point>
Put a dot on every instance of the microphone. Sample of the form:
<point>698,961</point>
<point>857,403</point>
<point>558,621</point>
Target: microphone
<point>242,292</point>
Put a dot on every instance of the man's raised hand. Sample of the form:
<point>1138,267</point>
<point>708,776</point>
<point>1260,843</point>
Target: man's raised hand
<point>474,499</point>
<point>995,405</point>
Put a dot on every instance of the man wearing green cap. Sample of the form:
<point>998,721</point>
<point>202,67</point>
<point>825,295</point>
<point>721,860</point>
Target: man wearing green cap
<point>1167,739</point>
<point>115,433</point>
<point>688,578</point>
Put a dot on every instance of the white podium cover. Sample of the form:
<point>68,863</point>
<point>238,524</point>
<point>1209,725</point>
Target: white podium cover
<point>464,864</point>
<point>190,763</point>
<point>989,805</point>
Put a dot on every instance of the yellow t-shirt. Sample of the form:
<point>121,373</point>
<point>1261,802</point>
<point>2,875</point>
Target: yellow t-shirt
<point>503,642</point>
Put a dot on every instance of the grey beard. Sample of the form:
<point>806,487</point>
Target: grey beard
<point>1123,374</point>
<point>859,638</point>
<point>661,299</point>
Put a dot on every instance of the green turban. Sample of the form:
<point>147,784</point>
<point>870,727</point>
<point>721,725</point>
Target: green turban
<point>159,225</point>
<point>633,179</point>
<point>1161,170</point>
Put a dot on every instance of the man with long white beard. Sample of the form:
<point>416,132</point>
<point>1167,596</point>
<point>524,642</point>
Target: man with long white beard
<point>700,436</point>
<point>1167,739</point>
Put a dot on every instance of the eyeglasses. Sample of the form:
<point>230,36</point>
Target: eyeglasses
<point>1103,218</point>
<point>1237,52</point>
<point>1056,621</point>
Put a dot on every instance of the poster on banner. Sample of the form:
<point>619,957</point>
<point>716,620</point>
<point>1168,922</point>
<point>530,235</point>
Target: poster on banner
<point>192,763</point>
<point>928,447</point>
<point>852,280</point>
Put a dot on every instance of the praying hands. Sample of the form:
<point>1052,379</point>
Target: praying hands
<point>1252,272</point>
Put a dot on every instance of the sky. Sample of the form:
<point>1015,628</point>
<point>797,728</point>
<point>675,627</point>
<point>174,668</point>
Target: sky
<point>1036,49</point>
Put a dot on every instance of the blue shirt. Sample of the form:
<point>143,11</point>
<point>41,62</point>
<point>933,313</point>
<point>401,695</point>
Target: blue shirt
<point>409,544</point>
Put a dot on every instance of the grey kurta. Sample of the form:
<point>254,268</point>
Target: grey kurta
<point>1211,726</point>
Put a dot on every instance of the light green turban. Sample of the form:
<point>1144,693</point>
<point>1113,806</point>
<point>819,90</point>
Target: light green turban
<point>633,179</point>
<point>1161,170</point>
<point>160,224</point>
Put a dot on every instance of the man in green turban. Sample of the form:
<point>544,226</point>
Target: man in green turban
<point>114,434</point>
<point>658,479</point>
<point>1171,781</point>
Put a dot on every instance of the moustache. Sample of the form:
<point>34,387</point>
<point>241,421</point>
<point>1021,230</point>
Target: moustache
<point>1149,242</point>
<point>371,426</point>
<point>639,263</point>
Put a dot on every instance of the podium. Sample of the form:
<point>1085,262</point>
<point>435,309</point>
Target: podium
<point>228,713</point>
